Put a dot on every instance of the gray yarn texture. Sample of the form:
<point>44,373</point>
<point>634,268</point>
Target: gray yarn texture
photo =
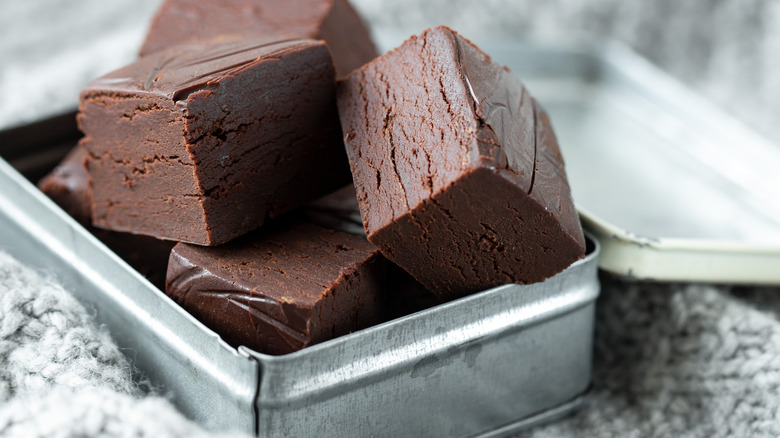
<point>670,359</point>
<point>47,339</point>
<point>62,376</point>
<point>682,360</point>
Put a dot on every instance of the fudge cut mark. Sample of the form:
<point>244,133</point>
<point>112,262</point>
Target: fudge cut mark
<point>335,21</point>
<point>279,290</point>
<point>68,186</point>
<point>458,174</point>
<point>202,143</point>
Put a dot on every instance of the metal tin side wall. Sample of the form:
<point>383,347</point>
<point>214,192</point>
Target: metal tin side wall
<point>468,367</point>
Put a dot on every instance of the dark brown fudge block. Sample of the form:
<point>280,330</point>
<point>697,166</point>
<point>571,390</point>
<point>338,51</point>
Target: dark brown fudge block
<point>68,186</point>
<point>202,143</point>
<point>335,21</point>
<point>458,173</point>
<point>281,288</point>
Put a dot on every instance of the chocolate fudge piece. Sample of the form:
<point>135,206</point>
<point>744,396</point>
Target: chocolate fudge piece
<point>335,21</point>
<point>68,186</point>
<point>202,143</point>
<point>458,174</point>
<point>281,288</point>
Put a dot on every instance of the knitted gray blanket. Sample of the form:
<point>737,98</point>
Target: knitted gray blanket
<point>62,376</point>
<point>670,360</point>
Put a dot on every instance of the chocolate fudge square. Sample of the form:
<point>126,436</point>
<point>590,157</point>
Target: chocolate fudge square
<point>457,170</point>
<point>202,143</point>
<point>68,186</point>
<point>281,288</point>
<point>335,21</point>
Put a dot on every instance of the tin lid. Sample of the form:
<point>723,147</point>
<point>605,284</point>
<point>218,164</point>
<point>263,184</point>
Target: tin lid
<point>673,188</point>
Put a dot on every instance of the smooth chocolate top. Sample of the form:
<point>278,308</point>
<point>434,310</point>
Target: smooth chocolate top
<point>180,71</point>
<point>335,21</point>
<point>276,276</point>
<point>550,186</point>
<point>291,265</point>
<point>188,21</point>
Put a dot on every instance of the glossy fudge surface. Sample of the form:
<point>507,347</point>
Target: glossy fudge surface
<point>335,21</point>
<point>457,170</point>
<point>202,143</point>
<point>68,186</point>
<point>281,289</point>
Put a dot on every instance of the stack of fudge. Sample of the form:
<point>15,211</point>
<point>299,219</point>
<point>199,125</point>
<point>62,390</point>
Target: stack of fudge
<point>286,186</point>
